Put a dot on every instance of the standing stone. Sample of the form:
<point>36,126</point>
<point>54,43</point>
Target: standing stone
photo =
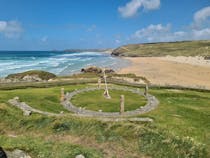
<point>99,83</point>
<point>122,104</point>
<point>146,90</point>
<point>62,98</point>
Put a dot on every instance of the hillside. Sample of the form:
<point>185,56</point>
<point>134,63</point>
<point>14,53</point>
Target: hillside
<point>184,48</point>
<point>32,75</point>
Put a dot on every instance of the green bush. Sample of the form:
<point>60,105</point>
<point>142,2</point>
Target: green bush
<point>160,144</point>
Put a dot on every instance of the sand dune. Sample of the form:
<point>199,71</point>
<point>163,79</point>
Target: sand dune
<point>184,71</point>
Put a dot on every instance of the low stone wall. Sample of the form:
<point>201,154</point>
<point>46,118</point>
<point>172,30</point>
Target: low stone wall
<point>152,103</point>
<point>27,110</point>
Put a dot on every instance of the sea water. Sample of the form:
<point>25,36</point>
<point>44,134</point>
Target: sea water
<point>57,62</point>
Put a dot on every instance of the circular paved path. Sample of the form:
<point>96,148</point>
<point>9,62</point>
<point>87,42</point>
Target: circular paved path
<point>152,103</point>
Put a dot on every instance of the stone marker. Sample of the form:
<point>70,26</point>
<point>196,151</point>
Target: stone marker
<point>62,98</point>
<point>146,90</point>
<point>122,104</point>
<point>99,83</point>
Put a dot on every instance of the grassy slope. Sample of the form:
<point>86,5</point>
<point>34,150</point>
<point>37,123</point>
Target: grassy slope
<point>94,100</point>
<point>184,113</point>
<point>41,74</point>
<point>191,48</point>
<point>180,113</point>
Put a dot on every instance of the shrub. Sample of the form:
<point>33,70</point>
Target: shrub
<point>161,144</point>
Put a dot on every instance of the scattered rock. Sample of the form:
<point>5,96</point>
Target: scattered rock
<point>27,113</point>
<point>97,70</point>
<point>80,156</point>
<point>16,98</point>
<point>17,154</point>
<point>31,78</point>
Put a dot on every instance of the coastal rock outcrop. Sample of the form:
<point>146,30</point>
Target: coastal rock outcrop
<point>29,76</point>
<point>97,70</point>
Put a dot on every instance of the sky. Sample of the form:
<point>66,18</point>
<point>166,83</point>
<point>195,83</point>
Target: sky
<point>65,24</point>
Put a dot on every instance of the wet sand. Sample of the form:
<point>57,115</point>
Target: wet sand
<point>171,71</point>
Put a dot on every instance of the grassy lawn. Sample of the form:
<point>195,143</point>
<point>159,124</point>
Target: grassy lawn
<point>181,125</point>
<point>46,99</point>
<point>94,100</point>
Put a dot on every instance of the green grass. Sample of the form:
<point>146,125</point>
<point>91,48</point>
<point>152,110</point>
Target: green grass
<point>45,99</point>
<point>181,126</point>
<point>184,113</point>
<point>186,48</point>
<point>94,100</point>
<point>38,148</point>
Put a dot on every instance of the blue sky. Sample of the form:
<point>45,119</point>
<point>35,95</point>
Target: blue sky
<point>61,24</point>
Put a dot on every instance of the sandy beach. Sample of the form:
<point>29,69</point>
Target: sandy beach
<point>184,71</point>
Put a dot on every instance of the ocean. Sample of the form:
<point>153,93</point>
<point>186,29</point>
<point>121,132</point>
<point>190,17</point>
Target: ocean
<point>57,62</point>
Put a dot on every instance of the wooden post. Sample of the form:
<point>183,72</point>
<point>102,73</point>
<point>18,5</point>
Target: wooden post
<point>106,92</point>
<point>122,104</point>
<point>146,90</point>
<point>62,97</point>
<point>99,83</point>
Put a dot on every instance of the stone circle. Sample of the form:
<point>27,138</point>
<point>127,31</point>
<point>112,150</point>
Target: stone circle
<point>152,103</point>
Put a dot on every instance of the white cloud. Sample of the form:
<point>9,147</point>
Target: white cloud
<point>10,29</point>
<point>117,41</point>
<point>132,7</point>
<point>202,15</point>
<point>44,39</point>
<point>201,34</point>
<point>199,30</point>
<point>161,33</point>
<point>152,32</point>
<point>91,28</point>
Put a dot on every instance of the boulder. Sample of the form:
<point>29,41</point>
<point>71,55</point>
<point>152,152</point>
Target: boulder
<point>80,156</point>
<point>17,154</point>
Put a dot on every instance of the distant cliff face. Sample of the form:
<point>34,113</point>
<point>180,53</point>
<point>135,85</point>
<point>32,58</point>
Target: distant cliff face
<point>86,50</point>
<point>184,48</point>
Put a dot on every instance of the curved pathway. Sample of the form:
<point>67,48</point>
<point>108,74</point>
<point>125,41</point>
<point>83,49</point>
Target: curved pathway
<point>152,103</point>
